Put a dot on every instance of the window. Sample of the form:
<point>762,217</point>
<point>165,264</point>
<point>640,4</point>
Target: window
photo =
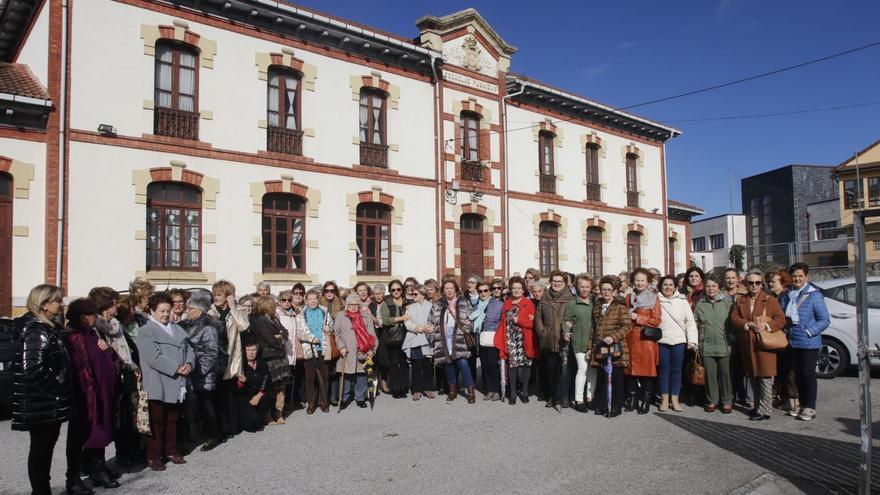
<point>174,226</point>
<point>545,163</point>
<point>873,191</point>
<point>548,245</point>
<point>847,294</point>
<point>284,226</point>
<point>698,244</point>
<point>594,190</point>
<point>471,169</point>
<point>176,85</point>
<point>717,241</point>
<point>853,198</point>
<point>826,230</point>
<point>373,236</point>
<point>632,186</point>
<point>594,251</point>
<point>633,250</point>
<point>767,221</point>
<point>283,111</point>
<point>876,245</point>
<point>374,149</point>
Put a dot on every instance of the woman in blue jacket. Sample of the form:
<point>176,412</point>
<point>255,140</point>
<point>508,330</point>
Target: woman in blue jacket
<point>807,316</point>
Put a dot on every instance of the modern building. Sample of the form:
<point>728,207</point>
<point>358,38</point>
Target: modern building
<point>711,239</point>
<point>680,215</point>
<point>828,241</point>
<point>854,177</point>
<point>775,206</point>
<point>195,140</point>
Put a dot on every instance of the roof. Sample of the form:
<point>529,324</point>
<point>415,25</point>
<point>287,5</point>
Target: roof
<point>790,165</point>
<point>719,216</point>
<point>462,18</point>
<point>18,80</point>
<point>824,201</point>
<point>684,206</point>
<point>16,17</point>
<point>850,163</point>
<point>349,22</point>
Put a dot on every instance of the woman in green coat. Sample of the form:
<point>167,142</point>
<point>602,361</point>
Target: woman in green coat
<point>577,325</point>
<point>713,322</point>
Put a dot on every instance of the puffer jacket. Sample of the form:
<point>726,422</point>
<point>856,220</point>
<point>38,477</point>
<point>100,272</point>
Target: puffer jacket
<point>813,315</point>
<point>677,321</point>
<point>548,318</point>
<point>304,335</point>
<point>43,383</point>
<point>615,323</point>
<point>442,354</point>
<point>203,339</point>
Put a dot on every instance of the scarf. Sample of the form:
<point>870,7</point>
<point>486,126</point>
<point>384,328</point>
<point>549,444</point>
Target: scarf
<point>112,332</point>
<point>644,299</point>
<point>365,341</point>
<point>479,314</point>
<point>695,295</point>
<point>77,340</point>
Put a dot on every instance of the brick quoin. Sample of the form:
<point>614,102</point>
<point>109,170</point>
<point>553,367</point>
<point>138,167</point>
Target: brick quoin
<point>596,222</point>
<point>5,164</point>
<point>634,227</point>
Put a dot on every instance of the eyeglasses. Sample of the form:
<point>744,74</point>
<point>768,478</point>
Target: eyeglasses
<point>484,291</point>
<point>396,289</point>
<point>285,299</point>
<point>754,282</point>
<point>298,293</point>
<point>472,281</point>
<point>606,290</point>
<point>177,302</point>
<point>497,288</point>
<point>329,289</point>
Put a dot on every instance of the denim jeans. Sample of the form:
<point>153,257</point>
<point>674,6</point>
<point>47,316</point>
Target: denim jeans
<point>360,387</point>
<point>669,376</point>
<point>464,368</point>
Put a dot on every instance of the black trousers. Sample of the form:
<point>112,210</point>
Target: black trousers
<point>125,435</point>
<point>398,369</point>
<point>491,367</point>
<point>551,366</point>
<point>805,366</point>
<point>422,372</point>
<point>252,418</point>
<point>77,434</point>
<point>600,396</point>
<point>226,407</point>
<point>43,439</point>
<point>203,415</point>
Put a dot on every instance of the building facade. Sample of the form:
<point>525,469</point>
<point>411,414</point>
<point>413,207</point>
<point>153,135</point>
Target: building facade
<point>251,141</point>
<point>858,180</point>
<point>711,239</point>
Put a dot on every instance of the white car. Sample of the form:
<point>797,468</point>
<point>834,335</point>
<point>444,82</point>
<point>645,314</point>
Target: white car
<point>840,339</point>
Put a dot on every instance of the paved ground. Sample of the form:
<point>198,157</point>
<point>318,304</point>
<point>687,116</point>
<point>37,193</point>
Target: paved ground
<point>435,447</point>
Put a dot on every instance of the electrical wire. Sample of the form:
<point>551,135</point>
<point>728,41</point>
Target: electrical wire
<point>777,114</point>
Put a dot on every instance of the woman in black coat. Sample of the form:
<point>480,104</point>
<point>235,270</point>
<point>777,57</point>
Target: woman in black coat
<point>271,336</point>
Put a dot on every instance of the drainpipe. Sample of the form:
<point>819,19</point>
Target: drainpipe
<point>62,133</point>
<point>505,192</point>
<point>441,194</point>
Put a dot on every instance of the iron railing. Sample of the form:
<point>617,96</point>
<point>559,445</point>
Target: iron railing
<point>472,170</point>
<point>632,199</point>
<point>594,191</point>
<point>283,140</point>
<point>176,123</point>
<point>548,184</point>
<point>374,155</point>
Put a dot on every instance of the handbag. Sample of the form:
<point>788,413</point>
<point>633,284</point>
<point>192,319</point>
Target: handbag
<point>652,333</point>
<point>601,350</point>
<point>470,340</point>
<point>334,349</point>
<point>696,373</point>
<point>395,334</point>
<point>770,341</point>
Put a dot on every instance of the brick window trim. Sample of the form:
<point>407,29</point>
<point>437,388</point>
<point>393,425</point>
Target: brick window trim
<point>375,81</point>
<point>308,72</point>
<point>22,176</point>
<point>179,32</point>
<point>285,185</point>
<point>177,172</point>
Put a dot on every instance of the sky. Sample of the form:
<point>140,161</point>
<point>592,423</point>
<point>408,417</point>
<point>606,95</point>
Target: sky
<point>627,52</point>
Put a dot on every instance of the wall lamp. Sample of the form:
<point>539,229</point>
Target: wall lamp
<point>106,130</point>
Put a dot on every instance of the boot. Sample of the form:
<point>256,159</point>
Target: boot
<point>101,477</point>
<point>75,486</point>
<point>664,402</point>
<point>675,405</point>
<point>631,392</point>
<point>114,475</point>
<point>471,395</point>
<point>453,393</point>
<point>644,402</point>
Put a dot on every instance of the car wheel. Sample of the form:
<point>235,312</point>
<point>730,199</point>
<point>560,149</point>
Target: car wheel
<point>832,360</point>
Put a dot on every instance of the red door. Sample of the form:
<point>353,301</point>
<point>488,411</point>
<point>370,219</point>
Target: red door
<point>5,245</point>
<point>471,246</point>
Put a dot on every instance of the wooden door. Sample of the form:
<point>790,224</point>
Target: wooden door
<point>471,246</point>
<point>5,245</point>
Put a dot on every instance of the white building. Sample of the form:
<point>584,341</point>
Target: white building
<point>711,239</point>
<point>254,140</point>
<point>828,241</point>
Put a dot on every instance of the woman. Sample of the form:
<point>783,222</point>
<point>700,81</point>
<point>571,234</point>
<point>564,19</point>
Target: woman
<point>205,346</point>
<point>166,362</point>
<point>272,337</point>
<point>417,346</point>
<point>139,292</point>
<point>611,324</point>
<point>757,313</point>
<point>93,364</point>
<point>449,318</point>
<point>246,304</point>
<point>231,325</point>
<point>679,331</point>
<point>644,353</point>
<point>330,297</point>
<point>253,400</point>
<point>178,304</point>
<point>409,286</point>
<point>695,278</point>
<point>393,315</point>
<point>314,329</point>
<point>356,340</point>
<point>548,327</point>
<point>713,323</point>
<point>43,389</point>
<point>486,318</point>
<point>778,282</point>
<point>286,315</point>
<point>472,282</point>
<point>263,289</point>
<point>432,290</point>
<point>576,330</point>
<point>515,339</point>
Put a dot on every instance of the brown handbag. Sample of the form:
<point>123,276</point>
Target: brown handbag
<point>334,349</point>
<point>696,373</point>
<point>770,341</point>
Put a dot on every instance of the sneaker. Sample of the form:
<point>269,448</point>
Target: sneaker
<point>807,414</point>
<point>794,412</point>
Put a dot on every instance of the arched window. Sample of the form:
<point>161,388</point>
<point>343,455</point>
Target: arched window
<point>284,230</point>
<point>374,149</point>
<point>283,111</point>
<point>594,251</point>
<point>373,236</point>
<point>6,187</point>
<point>546,167</point>
<point>632,184</point>
<point>176,90</point>
<point>548,245</point>
<point>470,147</point>
<point>633,250</point>
<point>174,226</point>
<point>594,189</point>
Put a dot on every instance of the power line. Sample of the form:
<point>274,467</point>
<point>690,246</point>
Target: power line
<point>777,114</point>
<point>757,76</point>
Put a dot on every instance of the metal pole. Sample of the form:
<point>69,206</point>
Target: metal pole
<point>863,354</point>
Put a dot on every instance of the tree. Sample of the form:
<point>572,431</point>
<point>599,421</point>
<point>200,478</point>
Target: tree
<point>737,255</point>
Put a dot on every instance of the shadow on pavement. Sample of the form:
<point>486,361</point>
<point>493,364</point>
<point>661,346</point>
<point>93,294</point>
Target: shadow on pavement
<point>814,465</point>
<point>853,427</point>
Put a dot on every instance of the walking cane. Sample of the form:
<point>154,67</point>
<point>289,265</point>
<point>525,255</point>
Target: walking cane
<point>341,385</point>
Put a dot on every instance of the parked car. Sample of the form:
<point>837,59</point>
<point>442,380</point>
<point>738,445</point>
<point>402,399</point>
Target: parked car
<point>8,350</point>
<point>840,339</point>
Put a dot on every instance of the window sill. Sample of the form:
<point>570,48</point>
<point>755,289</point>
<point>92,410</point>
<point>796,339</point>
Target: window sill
<point>371,278</point>
<point>160,277</point>
<point>285,277</point>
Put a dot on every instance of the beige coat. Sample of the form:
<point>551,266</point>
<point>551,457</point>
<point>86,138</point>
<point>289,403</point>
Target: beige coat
<point>304,335</point>
<point>346,340</point>
<point>236,322</point>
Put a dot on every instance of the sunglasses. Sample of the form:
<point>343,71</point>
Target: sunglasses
<point>329,290</point>
<point>285,299</point>
<point>484,291</point>
<point>497,288</point>
<point>754,282</point>
<point>396,289</point>
<point>298,293</point>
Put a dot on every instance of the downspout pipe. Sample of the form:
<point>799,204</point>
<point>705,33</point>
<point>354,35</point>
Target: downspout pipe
<point>441,194</point>
<point>62,140</point>
<point>505,200</point>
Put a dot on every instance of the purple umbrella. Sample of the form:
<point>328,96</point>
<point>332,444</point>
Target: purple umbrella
<point>608,370</point>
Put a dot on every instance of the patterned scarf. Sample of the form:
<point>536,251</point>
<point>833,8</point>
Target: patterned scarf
<point>365,341</point>
<point>77,339</point>
<point>515,348</point>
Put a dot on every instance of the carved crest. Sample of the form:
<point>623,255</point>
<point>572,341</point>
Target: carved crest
<point>471,54</point>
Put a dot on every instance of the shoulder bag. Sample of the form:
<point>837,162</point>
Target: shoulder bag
<point>696,373</point>
<point>770,341</point>
<point>395,334</point>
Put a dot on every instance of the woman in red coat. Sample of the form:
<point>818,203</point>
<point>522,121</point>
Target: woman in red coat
<point>515,340</point>
<point>644,354</point>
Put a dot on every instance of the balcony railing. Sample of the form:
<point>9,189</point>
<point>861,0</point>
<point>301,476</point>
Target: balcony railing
<point>176,123</point>
<point>548,184</point>
<point>632,199</point>
<point>374,155</point>
<point>472,170</point>
<point>282,140</point>
<point>594,191</point>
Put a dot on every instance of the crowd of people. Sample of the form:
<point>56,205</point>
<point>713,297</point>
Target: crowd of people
<point>162,372</point>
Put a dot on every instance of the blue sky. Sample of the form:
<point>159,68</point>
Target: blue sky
<point>628,52</point>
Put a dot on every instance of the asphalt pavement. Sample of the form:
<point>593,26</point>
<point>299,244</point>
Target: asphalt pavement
<point>432,446</point>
